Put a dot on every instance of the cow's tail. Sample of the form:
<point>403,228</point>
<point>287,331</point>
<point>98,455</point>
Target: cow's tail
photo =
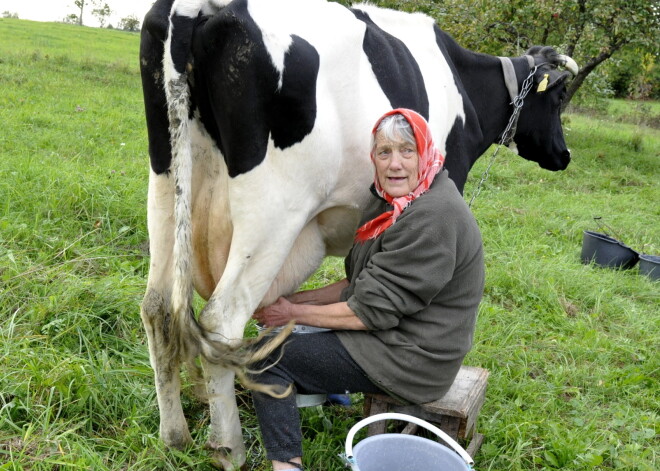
<point>240,357</point>
<point>187,339</point>
<point>177,93</point>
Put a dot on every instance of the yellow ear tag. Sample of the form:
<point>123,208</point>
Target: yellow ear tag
<point>543,85</point>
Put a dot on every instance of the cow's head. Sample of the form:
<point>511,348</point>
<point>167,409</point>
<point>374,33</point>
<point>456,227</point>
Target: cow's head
<point>539,136</point>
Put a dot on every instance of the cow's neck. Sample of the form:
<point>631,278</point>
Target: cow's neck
<point>483,80</point>
<point>491,100</point>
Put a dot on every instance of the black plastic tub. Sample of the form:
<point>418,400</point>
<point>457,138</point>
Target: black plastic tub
<point>649,265</point>
<point>606,251</point>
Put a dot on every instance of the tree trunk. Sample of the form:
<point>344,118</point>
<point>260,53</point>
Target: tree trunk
<point>585,70</point>
<point>579,28</point>
<point>544,37</point>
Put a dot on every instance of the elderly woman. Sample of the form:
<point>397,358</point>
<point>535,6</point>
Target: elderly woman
<point>403,319</point>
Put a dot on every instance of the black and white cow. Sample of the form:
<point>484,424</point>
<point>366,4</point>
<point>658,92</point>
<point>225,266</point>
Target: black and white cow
<point>259,115</point>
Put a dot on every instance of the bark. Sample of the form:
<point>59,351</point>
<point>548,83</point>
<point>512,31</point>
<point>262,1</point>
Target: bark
<point>579,27</point>
<point>585,70</point>
<point>544,36</point>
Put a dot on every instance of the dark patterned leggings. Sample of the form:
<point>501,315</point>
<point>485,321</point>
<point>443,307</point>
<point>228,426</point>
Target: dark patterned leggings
<point>314,363</point>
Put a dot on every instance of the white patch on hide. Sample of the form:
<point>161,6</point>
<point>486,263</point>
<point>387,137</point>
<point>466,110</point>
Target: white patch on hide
<point>417,32</point>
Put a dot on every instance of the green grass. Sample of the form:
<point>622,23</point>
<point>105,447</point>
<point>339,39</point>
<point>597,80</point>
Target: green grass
<point>644,113</point>
<point>572,349</point>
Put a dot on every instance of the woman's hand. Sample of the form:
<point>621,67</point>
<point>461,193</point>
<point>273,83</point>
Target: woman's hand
<point>277,314</point>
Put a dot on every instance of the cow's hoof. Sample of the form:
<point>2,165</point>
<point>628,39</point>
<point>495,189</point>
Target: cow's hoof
<point>179,439</point>
<point>222,458</point>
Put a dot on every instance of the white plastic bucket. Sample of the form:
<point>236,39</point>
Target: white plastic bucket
<point>400,452</point>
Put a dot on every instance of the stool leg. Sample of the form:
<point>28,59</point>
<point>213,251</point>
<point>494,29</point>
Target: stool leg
<point>376,407</point>
<point>366,407</point>
<point>410,429</point>
<point>475,444</point>
<point>449,425</point>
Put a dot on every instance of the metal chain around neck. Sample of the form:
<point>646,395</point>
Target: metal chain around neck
<point>510,130</point>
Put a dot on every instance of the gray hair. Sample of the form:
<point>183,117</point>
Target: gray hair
<point>393,127</point>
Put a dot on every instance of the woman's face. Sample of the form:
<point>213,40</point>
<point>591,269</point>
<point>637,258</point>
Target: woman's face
<point>397,164</point>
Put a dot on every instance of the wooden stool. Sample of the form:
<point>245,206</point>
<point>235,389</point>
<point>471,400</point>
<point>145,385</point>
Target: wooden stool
<point>455,414</point>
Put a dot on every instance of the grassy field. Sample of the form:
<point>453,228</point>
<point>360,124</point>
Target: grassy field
<point>572,349</point>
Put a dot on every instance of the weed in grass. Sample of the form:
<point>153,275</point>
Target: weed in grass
<point>637,142</point>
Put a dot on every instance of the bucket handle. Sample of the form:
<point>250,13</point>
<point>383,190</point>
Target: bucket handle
<point>604,226</point>
<point>601,224</point>
<point>407,418</point>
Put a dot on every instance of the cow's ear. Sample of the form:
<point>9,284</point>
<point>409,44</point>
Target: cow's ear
<point>543,84</point>
<point>549,79</point>
<point>556,79</point>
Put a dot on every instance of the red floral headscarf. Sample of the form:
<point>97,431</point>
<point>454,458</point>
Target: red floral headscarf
<point>430,163</point>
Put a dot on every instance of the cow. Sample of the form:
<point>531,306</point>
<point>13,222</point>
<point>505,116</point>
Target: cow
<point>258,115</point>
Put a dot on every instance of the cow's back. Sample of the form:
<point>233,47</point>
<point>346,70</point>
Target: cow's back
<point>305,80</point>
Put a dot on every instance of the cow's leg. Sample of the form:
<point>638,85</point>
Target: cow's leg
<point>225,435</point>
<point>155,312</point>
<point>259,250</point>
